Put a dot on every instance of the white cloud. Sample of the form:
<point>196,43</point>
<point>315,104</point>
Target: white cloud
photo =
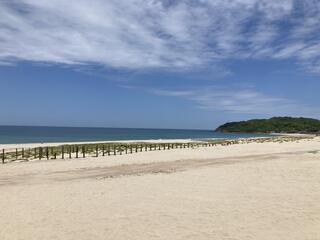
<point>241,100</point>
<point>139,34</point>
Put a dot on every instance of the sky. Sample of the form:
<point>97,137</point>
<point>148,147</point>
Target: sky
<point>188,64</point>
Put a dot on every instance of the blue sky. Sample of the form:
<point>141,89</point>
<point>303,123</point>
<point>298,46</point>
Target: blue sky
<point>157,64</point>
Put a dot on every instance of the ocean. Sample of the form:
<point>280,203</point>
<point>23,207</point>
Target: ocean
<point>27,134</point>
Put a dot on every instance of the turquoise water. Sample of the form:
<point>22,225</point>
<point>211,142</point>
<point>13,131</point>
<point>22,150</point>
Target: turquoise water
<point>15,134</point>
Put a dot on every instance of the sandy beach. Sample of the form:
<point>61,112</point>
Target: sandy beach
<point>243,191</point>
<point>160,120</point>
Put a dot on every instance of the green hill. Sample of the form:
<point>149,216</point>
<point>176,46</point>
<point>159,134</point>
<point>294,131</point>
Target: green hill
<point>273,125</point>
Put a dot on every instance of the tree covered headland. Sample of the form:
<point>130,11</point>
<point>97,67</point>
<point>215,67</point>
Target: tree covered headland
<point>273,125</point>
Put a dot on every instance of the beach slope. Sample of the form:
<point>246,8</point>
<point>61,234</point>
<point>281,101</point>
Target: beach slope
<point>243,191</point>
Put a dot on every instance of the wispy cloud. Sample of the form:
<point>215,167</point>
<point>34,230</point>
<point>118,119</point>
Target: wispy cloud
<point>141,34</point>
<point>241,100</point>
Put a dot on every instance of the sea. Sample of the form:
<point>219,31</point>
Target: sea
<point>28,134</point>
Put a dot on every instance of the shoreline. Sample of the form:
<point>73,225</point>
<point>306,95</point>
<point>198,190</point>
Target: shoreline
<point>55,144</point>
<point>11,146</point>
<point>295,134</point>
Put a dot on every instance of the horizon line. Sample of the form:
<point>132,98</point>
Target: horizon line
<point>195,129</point>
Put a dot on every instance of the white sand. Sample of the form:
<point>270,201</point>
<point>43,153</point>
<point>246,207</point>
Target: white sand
<point>249,191</point>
